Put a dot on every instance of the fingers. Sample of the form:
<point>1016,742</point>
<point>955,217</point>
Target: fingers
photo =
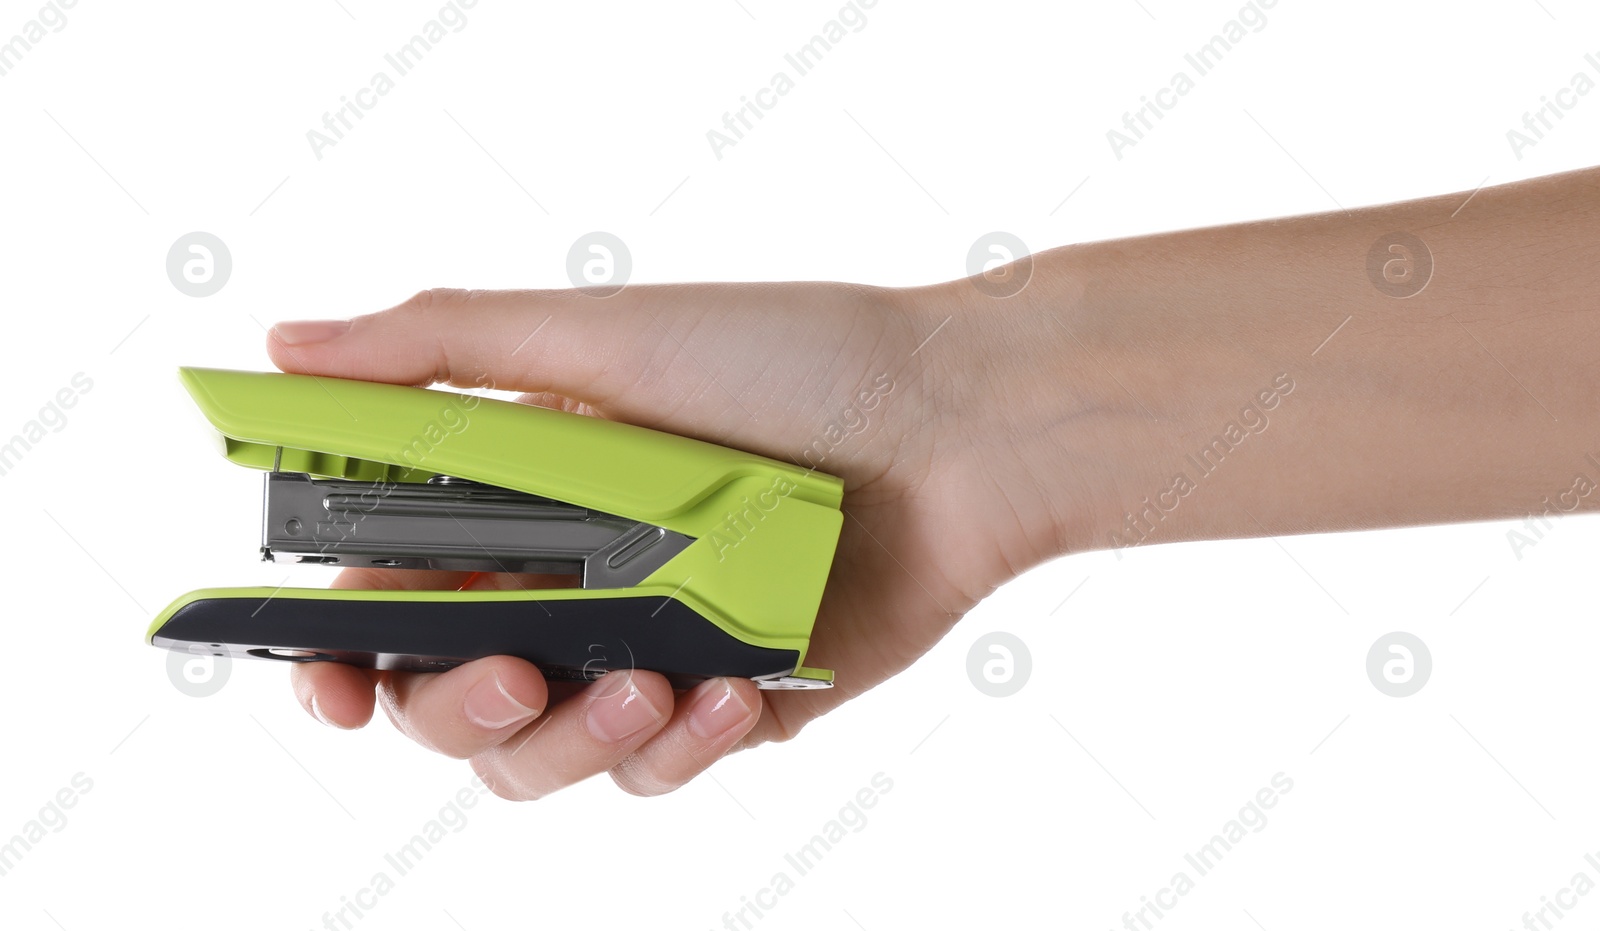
<point>333,693</point>
<point>588,734</point>
<point>534,341</point>
<point>468,709</point>
<point>639,356</point>
<point>710,719</point>
<point>342,696</point>
<point>497,711</point>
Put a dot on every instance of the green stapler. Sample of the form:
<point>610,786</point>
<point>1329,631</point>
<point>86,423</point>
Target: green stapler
<point>685,558</point>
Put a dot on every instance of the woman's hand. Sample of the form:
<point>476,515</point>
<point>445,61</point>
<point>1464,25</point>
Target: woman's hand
<point>1131,392</point>
<point>914,397</point>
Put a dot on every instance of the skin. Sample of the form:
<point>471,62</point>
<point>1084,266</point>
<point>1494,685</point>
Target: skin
<point>1017,430</point>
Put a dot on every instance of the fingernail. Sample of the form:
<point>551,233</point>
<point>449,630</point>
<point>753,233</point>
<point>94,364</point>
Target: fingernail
<point>491,707</point>
<point>717,711</point>
<point>320,715</point>
<point>301,332</point>
<point>620,712</point>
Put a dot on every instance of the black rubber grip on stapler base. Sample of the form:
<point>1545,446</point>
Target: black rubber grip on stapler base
<point>566,639</point>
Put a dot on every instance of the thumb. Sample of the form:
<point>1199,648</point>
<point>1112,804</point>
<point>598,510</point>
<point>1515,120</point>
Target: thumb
<point>602,353</point>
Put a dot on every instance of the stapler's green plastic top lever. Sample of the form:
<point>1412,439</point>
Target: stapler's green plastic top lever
<point>685,558</point>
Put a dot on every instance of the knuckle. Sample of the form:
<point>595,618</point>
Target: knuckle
<point>634,777</point>
<point>417,303</point>
<point>429,298</point>
<point>434,300</point>
<point>490,774</point>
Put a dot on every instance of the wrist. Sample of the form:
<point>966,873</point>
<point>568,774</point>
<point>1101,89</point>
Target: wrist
<point>1030,440</point>
<point>1075,426</point>
<point>1144,375</point>
<point>1084,397</point>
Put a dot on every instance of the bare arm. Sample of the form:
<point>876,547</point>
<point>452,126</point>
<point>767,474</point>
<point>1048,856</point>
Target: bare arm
<point>1274,377</point>
<point>1278,377</point>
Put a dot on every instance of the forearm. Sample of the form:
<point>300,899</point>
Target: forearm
<point>1253,379</point>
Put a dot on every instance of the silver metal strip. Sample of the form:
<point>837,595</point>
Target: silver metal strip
<point>456,525</point>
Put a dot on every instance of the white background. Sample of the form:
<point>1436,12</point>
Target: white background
<point>1172,685</point>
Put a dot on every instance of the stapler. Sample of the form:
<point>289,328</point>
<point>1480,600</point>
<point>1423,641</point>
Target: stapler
<point>686,558</point>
